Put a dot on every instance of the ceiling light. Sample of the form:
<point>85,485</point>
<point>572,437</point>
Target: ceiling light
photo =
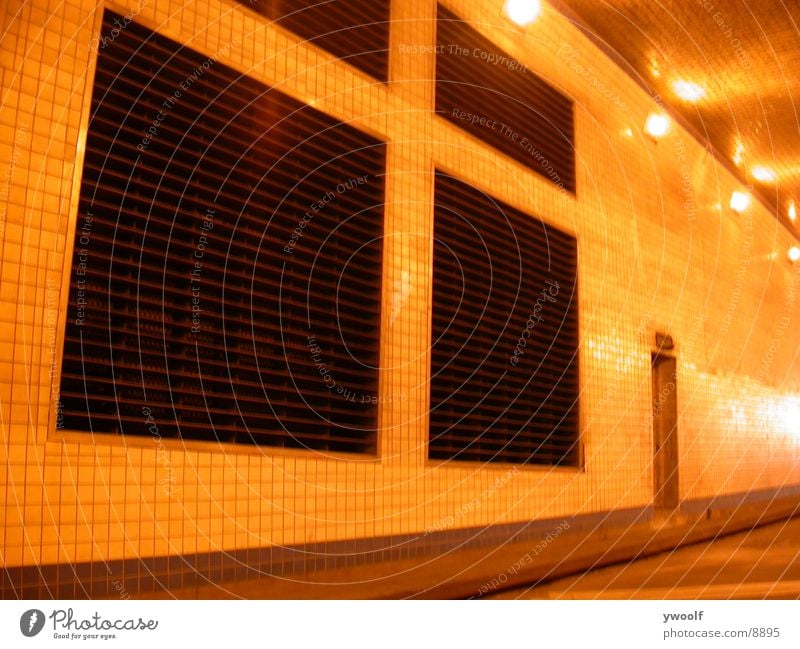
<point>656,125</point>
<point>792,211</point>
<point>738,154</point>
<point>794,254</point>
<point>763,174</point>
<point>740,201</point>
<point>688,90</point>
<point>654,69</point>
<point>523,12</point>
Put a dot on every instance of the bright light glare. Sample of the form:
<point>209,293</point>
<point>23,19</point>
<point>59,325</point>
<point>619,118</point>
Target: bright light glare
<point>740,201</point>
<point>523,12</point>
<point>656,125</point>
<point>763,174</point>
<point>792,211</point>
<point>794,254</point>
<point>789,414</point>
<point>688,90</point>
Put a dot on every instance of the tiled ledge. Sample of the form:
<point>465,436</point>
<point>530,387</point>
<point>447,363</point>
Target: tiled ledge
<point>456,563</point>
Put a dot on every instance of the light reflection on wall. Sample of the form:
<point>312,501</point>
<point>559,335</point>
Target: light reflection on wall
<point>750,408</point>
<point>613,353</point>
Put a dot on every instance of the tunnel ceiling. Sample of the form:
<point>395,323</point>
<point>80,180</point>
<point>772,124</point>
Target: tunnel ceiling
<point>741,56</point>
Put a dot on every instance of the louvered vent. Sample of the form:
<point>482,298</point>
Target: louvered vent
<point>356,31</point>
<point>504,365</point>
<point>225,283</point>
<point>493,97</point>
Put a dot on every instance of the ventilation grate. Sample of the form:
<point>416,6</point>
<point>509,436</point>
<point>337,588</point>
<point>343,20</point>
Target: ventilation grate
<point>504,364</point>
<point>493,97</point>
<point>225,282</point>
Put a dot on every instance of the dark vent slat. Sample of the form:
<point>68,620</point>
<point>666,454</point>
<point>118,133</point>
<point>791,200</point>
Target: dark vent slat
<point>246,372</point>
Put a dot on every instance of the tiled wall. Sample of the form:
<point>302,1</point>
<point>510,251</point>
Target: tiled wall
<point>656,253</point>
